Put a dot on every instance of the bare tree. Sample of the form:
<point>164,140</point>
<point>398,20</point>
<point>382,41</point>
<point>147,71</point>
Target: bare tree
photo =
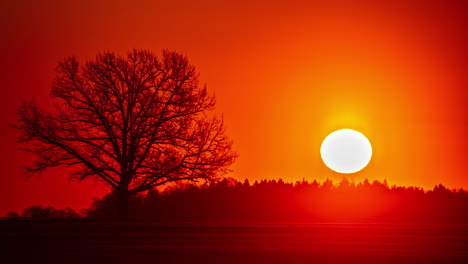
<point>134,122</point>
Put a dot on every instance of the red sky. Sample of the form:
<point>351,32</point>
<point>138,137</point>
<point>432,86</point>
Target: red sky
<point>285,74</point>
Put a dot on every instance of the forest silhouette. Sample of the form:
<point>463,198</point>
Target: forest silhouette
<point>276,200</point>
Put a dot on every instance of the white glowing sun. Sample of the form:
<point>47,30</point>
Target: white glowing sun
<point>346,151</point>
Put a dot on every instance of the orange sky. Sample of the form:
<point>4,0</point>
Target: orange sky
<point>285,75</point>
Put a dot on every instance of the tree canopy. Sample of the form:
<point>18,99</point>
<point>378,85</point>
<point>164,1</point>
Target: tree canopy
<point>134,122</point>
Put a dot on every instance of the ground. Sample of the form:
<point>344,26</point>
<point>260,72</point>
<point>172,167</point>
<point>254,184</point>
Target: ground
<point>150,242</point>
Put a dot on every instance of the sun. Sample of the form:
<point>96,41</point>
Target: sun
<point>346,151</point>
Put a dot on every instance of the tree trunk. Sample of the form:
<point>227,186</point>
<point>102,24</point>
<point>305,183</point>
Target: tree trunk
<point>122,205</point>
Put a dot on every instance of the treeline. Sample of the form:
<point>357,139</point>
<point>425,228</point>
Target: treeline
<point>276,200</point>
<point>46,213</point>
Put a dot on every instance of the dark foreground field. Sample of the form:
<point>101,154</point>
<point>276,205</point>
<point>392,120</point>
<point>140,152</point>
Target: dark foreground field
<point>147,242</point>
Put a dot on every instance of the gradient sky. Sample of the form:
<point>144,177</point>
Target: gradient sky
<point>285,75</point>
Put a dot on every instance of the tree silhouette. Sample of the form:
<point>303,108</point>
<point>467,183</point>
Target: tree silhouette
<point>134,122</point>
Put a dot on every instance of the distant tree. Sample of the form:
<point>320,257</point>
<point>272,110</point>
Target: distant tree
<point>134,122</point>
<point>12,215</point>
<point>39,212</point>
